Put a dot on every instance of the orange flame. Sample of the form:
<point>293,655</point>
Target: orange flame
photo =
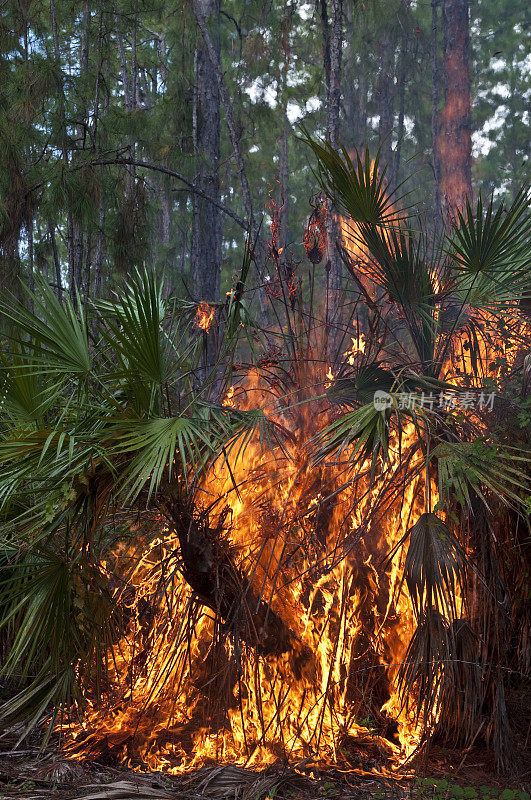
<point>204,316</point>
<point>184,691</point>
<point>311,561</point>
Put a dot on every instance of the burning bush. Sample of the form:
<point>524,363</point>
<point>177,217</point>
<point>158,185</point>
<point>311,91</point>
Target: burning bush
<point>285,559</point>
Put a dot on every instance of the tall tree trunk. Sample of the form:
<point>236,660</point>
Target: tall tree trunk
<point>258,246</point>
<point>435,113</point>
<point>89,256</point>
<point>98,253</point>
<point>56,262</point>
<point>361,115</point>
<point>332,50</point>
<point>283,166</point>
<point>123,63</point>
<point>78,235</point>
<point>31,265</point>
<point>455,145</point>
<point>349,88</point>
<point>354,88</point>
<point>129,88</point>
<point>402,77</point>
<point>385,97</point>
<point>101,93</point>
<point>206,241</point>
<point>64,154</point>
<point>165,216</point>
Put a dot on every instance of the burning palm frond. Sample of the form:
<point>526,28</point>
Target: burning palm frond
<point>204,528</point>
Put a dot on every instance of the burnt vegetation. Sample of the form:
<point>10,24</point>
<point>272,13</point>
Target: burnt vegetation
<point>217,545</point>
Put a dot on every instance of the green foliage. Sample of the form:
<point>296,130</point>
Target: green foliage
<point>56,334</point>
<point>467,469</point>
<point>444,788</point>
<point>490,251</point>
<point>88,433</point>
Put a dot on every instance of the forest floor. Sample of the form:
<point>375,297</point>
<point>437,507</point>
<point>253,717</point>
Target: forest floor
<point>34,774</point>
<point>29,772</point>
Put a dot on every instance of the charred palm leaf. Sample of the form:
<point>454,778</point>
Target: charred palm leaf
<point>421,672</point>
<point>461,695</point>
<point>435,567</point>
<point>348,390</point>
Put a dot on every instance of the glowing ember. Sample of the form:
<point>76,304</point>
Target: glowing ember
<point>204,316</point>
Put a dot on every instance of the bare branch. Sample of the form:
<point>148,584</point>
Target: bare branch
<point>131,162</point>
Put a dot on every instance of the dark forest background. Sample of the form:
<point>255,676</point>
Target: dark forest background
<point>144,132</point>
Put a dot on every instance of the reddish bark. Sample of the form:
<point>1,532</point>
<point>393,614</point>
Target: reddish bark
<point>454,141</point>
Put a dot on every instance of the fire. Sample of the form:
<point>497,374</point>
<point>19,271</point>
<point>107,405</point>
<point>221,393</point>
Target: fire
<point>186,693</point>
<point>229,400</point>
<point>358,346</point>
<point>204,316</point>
<point>312,540</point>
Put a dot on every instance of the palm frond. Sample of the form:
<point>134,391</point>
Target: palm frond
<point>435,567</point>
<point>357,187</point>
<point>477,468</point>
<point>57,334</point>
<point>58,609</point>
<point>422,670</point>
<point>491,252</point>
<point>23,395</point>
<point>157,444</point>
<point>133,328</point>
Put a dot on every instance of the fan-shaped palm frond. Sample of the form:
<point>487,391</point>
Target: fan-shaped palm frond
<point>58,335</point>
<point>357,186</point>
<point>133,327</point>
<point>473,468</point>
<point>23,394</point>
<point>434,568</point>
<point>491,252</point>
<point>423,667</point>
